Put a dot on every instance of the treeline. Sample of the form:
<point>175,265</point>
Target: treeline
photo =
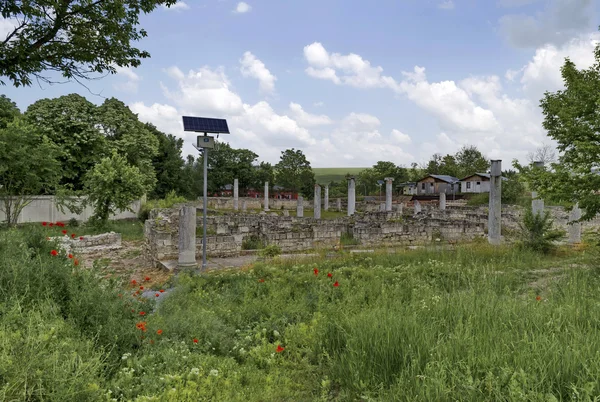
<point>69,146</point>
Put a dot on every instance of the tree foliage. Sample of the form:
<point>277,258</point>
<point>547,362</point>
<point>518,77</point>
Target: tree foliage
<point>28,166</point>
<point>368,178</point>
<point>537,233</point>
<point>572,119</point>
<point>112,185</point>
<point>70,122</point>
<point>167,163</point>
<point>8,111</point>
<point>76,38</point>
<point>294,173</point>
<point>466,161</point>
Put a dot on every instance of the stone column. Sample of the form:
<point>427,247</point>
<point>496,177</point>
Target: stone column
<point>495,208</point>
<point>339,205</point>
<point>575,228</point>
<point>236,194</point>
<point>417,207</point>
<point>266,196</point>
<point>442,201</point>
<point>187,237</point>
<point>382,207</point>
<point>317,207</point>
<point>244,206</point>
<point>326,205</point>
<point>400,208</point>
<point>300,207</point>
<point>351,195</point>
<point>388,193</point>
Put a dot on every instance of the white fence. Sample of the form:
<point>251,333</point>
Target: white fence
<point>43,208</point>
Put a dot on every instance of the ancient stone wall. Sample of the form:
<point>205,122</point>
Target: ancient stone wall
<point>226,234</point>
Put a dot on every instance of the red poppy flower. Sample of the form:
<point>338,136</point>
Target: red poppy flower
<point>157,295</point>
<point>64,232</point>
<point>195,340</point>
<point>44,223</point>
<point>316,271</point>
<point>76,262</point>
<point>162,291</point>
<point>51,224</point>
<point>120,295</point>
<point>81,238</point>
<point>329,275</point>
<point>72,235</point>
<point>147,278</point>
<point>142,313</point>
<point>60,224</point>
<point>538,298</point>
<point>279,349</point>
<point>159,332</point>
<point>47,238</point>
<point>54,252</point>
<point>141,288</point>
<point>70,255</point>
<point>151,341</point>
<point>261,280</point>
<point>133,282</point>
<point>336,284</point>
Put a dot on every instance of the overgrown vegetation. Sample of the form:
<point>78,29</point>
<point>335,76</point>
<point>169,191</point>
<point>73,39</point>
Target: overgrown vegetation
<point>347,239</point>
<point>252,242</point>
<point>478,323</point>
<point>270,251</point>
<point>537,232</point>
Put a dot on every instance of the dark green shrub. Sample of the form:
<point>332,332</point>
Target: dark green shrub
<point>252,242</point>
<point>348,239</point>
<point>270,251</point>
<point>73,222</point>
<point>536,232</point>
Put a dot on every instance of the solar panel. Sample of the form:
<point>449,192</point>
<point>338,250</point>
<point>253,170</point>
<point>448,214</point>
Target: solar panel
<point>205,125</point>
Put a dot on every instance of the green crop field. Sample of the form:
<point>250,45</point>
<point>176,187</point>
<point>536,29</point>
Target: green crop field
<point>327,175</point>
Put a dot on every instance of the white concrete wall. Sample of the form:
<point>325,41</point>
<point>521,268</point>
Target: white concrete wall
<point>484,187</point>
<point>43,208</point>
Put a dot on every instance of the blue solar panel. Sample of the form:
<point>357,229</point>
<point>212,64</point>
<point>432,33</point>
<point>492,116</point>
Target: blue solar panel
<point>205,125</point>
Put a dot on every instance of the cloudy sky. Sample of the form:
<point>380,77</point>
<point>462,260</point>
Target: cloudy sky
<point>352,82</point>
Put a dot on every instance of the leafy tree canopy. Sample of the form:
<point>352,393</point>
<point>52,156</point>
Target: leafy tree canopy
<point>466,161</point>
<point>76,38</point>
<point>294,173</point>
<point>112,185</point>
<point>70,122</point>
<point>572,119</point>
<point>8,111</point>
<point>28,166</point>
<point>167,163</point>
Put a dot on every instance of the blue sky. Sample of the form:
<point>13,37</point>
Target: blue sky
<point>351,82</point>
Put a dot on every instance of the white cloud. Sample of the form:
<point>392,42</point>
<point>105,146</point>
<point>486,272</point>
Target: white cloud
<point>306,119</point>
<point>353,69</point>
<point>242,8</point>
<point>557,23</point>
<point>179,6</point>
<point>399,137</point>
<point>131,85</point>
<point>253,67</point>
<point>204,92</point>
<point>446,5</point>
<point>7,26</point>
<point>542,73</point>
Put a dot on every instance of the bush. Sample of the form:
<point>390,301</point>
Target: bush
<point>270,251</point>
<point>171,199</point>
<point>252,242</point>
<point>536,232</point>
<point>348,239</point>
<point>479,200</point>
<point>73,222</point>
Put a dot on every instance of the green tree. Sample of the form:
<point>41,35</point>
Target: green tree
<point>112,185</point>
<point>167,164</point>
<point>294,173</point>
<point>76,38</point>
<point>191,178</point>
<point>8,111</point>
<point>263,172</point>
<point>70,122</point>
<point>28,167</point>
<point>572,119</point>
<point>130,137</point>
<point>470,160</point>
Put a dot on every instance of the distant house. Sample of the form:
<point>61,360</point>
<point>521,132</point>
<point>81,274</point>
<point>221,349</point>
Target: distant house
<point>408,188</point>
<point>476,183</point>
<point>276,192</point>
<point>436,184</point>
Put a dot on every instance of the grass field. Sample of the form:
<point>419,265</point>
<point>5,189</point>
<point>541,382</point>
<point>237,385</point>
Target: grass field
<point>327,175</point>
<point>476,323</point>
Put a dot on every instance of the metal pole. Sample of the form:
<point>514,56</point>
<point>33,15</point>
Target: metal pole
<point>205,206</point>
